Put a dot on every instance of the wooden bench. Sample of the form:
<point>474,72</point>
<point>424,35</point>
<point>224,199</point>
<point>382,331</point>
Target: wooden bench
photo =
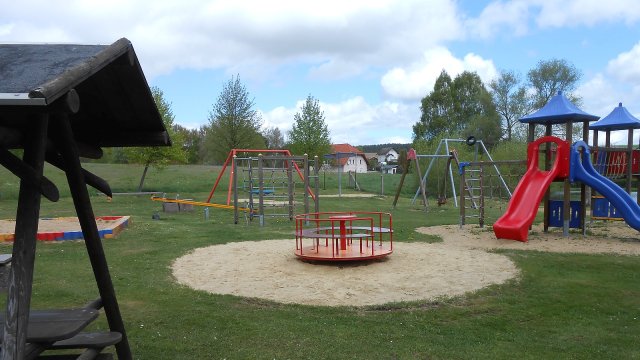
<point>60,329</point>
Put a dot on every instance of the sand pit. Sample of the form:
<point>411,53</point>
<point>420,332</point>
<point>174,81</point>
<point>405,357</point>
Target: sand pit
<point>415,271</point>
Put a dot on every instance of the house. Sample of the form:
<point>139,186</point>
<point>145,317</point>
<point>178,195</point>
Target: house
<point>388,160</point>
<point>387,155</point>
<point>348,158</point>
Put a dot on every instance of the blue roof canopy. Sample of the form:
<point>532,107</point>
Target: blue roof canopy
<point>558,110</point>
<point>618,119</point>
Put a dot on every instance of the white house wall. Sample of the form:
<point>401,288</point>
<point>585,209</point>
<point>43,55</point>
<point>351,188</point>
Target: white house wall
<point>355,163</point>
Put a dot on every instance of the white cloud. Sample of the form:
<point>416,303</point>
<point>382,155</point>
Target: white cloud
<point>585,12</point>
<point>598,95</point>
<point>417,80</point>
<point>498,16</point>
<point>355,121</point>
<point>626,66</point>
<point>331,35</point>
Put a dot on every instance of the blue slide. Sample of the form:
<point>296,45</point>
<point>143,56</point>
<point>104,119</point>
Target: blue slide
<point>582,170</point>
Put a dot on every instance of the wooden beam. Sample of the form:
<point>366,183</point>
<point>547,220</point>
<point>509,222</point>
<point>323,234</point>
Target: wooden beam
<point>26,173</point>
<point>24,245</point>
<point>63,139</point>
<point>91,179</point>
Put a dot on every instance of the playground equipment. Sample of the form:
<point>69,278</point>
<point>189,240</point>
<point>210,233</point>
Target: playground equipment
<point>523,207</point>
<point>236,152</point>
<point>582,170</point>
<point>560,111</point>
<point>445,151</point>
<point>620,164</point>
<point>473,202</point>
<point>572,163</point>
<point>343,236</point>
<point>164,199</point>
<point>268,180</point>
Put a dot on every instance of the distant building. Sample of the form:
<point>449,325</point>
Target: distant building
<point>349,158</point>
<point>387,155</point>
<point>388,160</point>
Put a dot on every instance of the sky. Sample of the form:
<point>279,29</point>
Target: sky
<point>368,62</point>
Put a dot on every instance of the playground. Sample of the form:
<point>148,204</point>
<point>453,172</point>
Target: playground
<point>578,299</point>
<point>270,275</point>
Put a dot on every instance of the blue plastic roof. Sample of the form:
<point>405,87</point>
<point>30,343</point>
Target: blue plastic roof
<point>618,119</point>
<point>559,110</point>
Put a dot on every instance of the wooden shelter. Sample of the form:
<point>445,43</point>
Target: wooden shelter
<point>60,103</point>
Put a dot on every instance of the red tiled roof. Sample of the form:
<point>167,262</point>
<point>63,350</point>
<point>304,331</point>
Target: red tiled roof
<point>346,148</point>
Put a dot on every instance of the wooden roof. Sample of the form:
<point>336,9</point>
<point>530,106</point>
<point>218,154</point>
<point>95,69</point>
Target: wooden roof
<point>116,107</point>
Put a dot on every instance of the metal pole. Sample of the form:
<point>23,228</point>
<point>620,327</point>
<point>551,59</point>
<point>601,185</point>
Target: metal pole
<point>261,188</point>
<point>462,205</point>
<point>290,187</point>
<point>316,173</point>
<point>426,173</point>
<point>305,163</point>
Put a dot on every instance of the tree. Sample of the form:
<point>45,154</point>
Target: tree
<point>458,107</point>
<point>436,109</point>
<point>193,139</point>
<point>233,124</point>
<point>309,133</point>
<point>159,156</point>
<point>551,76</point>
<point>273,138</point>
<point>511,100</point>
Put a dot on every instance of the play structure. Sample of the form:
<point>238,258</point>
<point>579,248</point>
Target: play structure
<point>265,185</point>
<point>573,164</point>
<point>178,205</point>
<point>343,236</point>
<point>451,156</point>
<point>488,189</point>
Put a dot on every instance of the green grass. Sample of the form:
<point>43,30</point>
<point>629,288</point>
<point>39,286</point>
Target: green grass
<point>561,306</point>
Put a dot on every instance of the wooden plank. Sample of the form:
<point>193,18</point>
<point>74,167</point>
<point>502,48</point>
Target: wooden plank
<point>84,340</point>
<point>24,245</point>
<point>63,139</point>
<point>47,326</point>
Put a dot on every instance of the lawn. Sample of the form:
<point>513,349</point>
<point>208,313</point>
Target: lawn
<point>562,305</point>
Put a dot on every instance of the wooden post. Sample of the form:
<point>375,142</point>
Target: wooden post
<point>405,169</point>
<point>24,245</point>
<point>547,155</point>
<point>566,211</point>
<point>234,185</point>
<point>531,133</point>
<point>67,147</point>
<point>422,184</point>
<point>584,198</point>
<point>629,159</point>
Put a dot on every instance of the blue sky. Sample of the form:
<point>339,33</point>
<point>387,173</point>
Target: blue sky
<point>368,62</point>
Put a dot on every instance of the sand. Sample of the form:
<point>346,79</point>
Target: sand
<point>460,264</point>
<point>54,225</point>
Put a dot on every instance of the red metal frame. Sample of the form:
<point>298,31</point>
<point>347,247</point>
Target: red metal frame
<point>374,231</point>
<point>234,152</point>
